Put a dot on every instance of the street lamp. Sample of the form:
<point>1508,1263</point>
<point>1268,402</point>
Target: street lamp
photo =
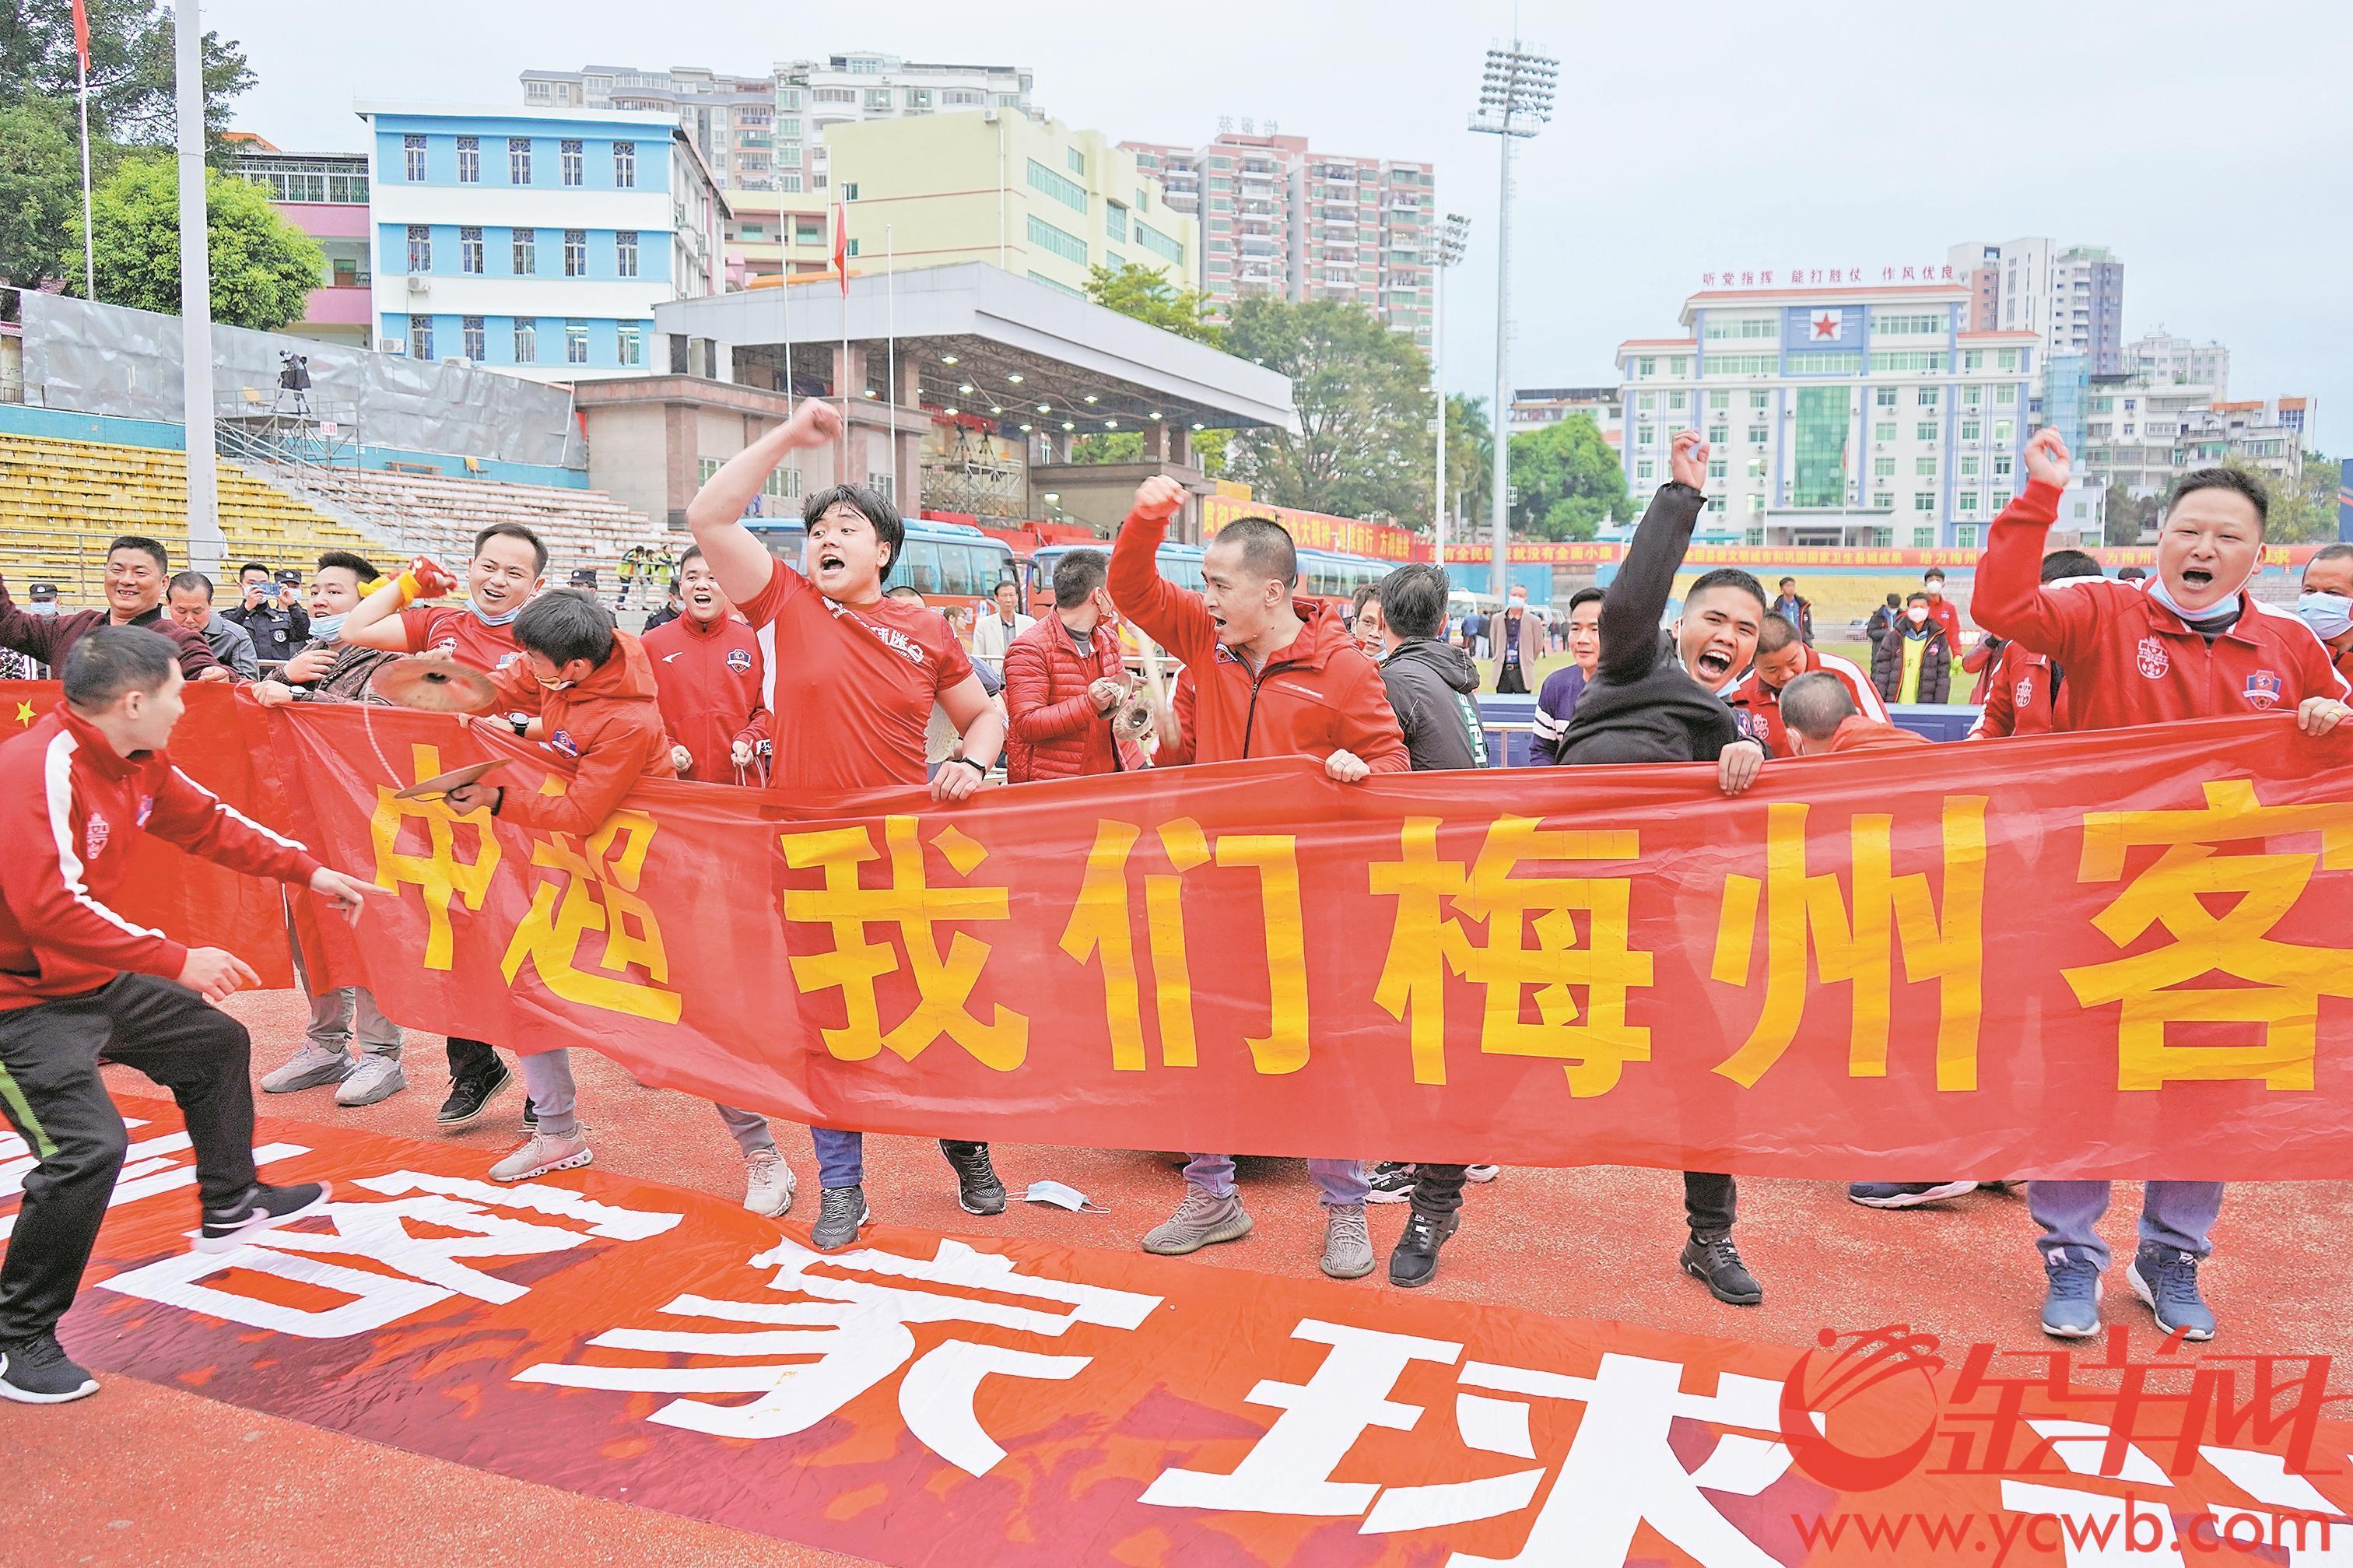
<point>1514,100</point>
<point>1445,251</point>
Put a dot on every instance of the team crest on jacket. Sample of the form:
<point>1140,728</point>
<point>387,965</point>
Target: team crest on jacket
<point>2023,693</point>
<point>2152,658</point>
<point>739,659</point>
<point>562,740</point>
<point>2263,689</point>
<point>94,834</point>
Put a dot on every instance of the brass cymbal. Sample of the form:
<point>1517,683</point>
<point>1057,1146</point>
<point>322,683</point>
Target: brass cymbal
<point>434,685</point>
<point>442,783</point>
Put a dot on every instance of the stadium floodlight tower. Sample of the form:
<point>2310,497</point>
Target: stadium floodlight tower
<point>1515,96</point>
<point>1445,251</point>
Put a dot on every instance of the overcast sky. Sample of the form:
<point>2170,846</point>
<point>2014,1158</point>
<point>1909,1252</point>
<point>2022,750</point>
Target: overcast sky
<point>2211,148</point>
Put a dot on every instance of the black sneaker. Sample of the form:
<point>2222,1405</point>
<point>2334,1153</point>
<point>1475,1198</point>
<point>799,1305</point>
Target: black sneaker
<point>1415,1260</point>
<point>530,1114</point>
<point>1390,1182</point>
<point>261,1207</point>
<point>470,1098</point>
<point>1712,1257</point>
<point>38,1372</point>
<point>977,1188</point>
<point>840,1211</point>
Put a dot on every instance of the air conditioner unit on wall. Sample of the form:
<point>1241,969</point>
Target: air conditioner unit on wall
<point>419,284</point>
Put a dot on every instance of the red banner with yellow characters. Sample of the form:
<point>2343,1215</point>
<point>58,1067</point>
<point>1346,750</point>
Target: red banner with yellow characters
<point>2111,955</point>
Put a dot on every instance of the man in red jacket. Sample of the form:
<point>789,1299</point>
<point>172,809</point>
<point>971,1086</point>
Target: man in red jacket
<point>2191,642</point>
<point>1942,610</point>
<point>1271,678</point>
<point>80,984</point>
<point>599,716</point>
<point>1782,655</point>
<point>2020,686</point>
<point>137,570</point>
<point>1064,679</point>
<point>710,679</point>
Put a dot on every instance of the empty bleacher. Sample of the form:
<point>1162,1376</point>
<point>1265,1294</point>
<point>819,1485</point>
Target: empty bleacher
<point>61,501</point>
<point>440,514</point>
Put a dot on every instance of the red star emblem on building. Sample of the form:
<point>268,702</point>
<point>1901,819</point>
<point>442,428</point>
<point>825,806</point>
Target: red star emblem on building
<point>1826,325</point>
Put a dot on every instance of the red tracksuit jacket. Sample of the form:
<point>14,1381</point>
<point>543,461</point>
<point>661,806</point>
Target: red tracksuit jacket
<point>607,729</point>
<point>69,804</point>
<point>712,684</point>
<point>1762,703</point>
<point>2128,659</point>
<point>1318,696</point>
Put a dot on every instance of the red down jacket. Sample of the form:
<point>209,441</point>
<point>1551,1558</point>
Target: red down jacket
<point>1051,729</point>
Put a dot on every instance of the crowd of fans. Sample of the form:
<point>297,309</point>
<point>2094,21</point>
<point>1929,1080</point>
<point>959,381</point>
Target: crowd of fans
<point>884,691</point>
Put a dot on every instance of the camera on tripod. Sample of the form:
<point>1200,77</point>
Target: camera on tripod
<point>293,371</point>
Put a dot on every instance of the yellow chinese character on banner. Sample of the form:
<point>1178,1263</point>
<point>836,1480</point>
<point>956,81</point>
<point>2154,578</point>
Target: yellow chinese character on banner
<point>2282,982</point>
<point>438,871</point>
<point>943,977</point>
<point>1099,930</point>
<point>1803,912</point>
<point>1594,1042</point>
<point>598,892</point>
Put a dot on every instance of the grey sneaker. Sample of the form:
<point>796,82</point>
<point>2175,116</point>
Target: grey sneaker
<point>310,1067</point>
<point>546,1152</point>
<point>1347,1246</point>
<point>1200,1221</point>
<point>375,1078</point>
<point>840,1211</point>
<point>2166,1280</point>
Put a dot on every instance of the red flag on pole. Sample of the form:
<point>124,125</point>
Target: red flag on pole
<point>841,245</point>
<point>81,34</point>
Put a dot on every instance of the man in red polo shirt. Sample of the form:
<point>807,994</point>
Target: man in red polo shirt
<point>1272,677</point>
<point>867,670</point>
<point>2191,642</point>
<point>1783,655</point>
<point>509,566</point>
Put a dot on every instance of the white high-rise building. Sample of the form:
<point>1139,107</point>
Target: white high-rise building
<point>2072,297</point>
<point>2159,357</point>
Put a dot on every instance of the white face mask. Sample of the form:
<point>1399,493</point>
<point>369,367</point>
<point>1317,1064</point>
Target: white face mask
<point>2330,615</point>
<point>1918,615</point>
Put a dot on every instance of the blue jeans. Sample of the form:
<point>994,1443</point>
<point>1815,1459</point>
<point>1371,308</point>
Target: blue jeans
<point>841,1156</point>
<point>2178,1214</point>
<point>1339,1183</point>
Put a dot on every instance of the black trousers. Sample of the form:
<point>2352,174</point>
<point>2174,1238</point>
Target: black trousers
<point>53,1095</point>
<point>1708,1200</point>
<point>471,1060</point>
<point>1511,682</point>
<point>1437,1190</point>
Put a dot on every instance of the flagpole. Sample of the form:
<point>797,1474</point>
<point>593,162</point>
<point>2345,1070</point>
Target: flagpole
<point>89,240</point>
<point>841,265</point>
<point>206,548</point>
<point>891,347</point>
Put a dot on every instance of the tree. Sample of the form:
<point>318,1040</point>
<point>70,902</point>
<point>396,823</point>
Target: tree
<point>2128,515</point>
<point>1470,457</point>
<point>263,267</point>
<point>130,70</point>
<point>1568,479</point>
<point>2304,512</point>
<point>40,193</point>
<point>1362,394</point>
<point>1145,293</point>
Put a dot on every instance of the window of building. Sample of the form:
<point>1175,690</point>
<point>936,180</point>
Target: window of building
<point>1077,160</point>
<point>1883,468</point>
<point>1882,397</point>
<point>1820,465</point>
<point>625,166</point>
<point>1966,501</point>
<point>1924,501</point>
<point>519,160</point>
<point>1115,222</point>
<point>1926,430</point>
<point>1965,535</point>
<point>1924,467</point>
<point>420,247</point>
<point>1757,435</point>
<point>1646,366</point>
<point>1883,500</point>
<point>1972,429</point>
<point>2006,396</point>
<point>2002,430</point>
<point>1644,469</point>
<point>2001,465</point>
<point>1677,401</point>
<point>469,160</point>
<point>1646,435</point>
<point>625,253</point>
<point>526,253</point>
<point>1749,328</point>
<point>1924,538</point>
<point>1929,359</point>
<point>1160,244</point>
<point>1883,431</point>
<point>420,337</point>
<point>573,164</point>
<point>575,253</point>
<point>877,101</point>
<point>2006,360</point>
<point>1927,396</point>
<point>1735,365</point>
<point>1715,471</point>
<point>576,342</point>
<point>1969,467</point>
<point>411,158</point>
<point>1717,435</point>
<point>1646,401</point>
<point>1718,400</point>
<point>630,341</point>
<point>1060,242</point>
<point>470,329</point>
<point>1824,364</point>
<point>1971,396</point>
<point>469,254</point>
<point>526,339</point>
<point>1760,400</point>
<point>1973,359</point>
<point>1899,324</point>
<point>789,184</point>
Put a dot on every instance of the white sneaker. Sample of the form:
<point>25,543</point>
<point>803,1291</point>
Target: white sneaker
<point>767,1183</point>
<point>375,1078</point>
<point>546,1151</point>
<point>1482,1173</point>
<point>310,1067</point>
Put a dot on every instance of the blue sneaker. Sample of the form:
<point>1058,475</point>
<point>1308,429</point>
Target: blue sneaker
<point>2071,1306</point>
<point>1904,1194</point>
<point>2166,1280</point>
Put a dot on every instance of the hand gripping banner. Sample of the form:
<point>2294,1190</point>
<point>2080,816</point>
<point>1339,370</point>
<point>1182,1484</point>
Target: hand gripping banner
<point>2113,955</point>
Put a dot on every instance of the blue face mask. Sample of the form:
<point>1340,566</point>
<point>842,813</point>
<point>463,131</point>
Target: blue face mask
<point>2225,608</point>
<point>492,619</point>
<point>327,628</point>
<point>2330,615</point>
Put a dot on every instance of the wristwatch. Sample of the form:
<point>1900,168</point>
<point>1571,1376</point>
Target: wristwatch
<point>979,768</point>
<point>519,725</point>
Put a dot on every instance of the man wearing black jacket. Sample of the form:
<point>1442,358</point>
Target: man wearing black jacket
<point>1654,698</point>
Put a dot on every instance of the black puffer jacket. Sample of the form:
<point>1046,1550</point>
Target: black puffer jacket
<point>1430,685</point>
<point>1935,666</point>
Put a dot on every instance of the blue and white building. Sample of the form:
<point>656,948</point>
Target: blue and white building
<point>536,240</point>
<point>1845,415</point>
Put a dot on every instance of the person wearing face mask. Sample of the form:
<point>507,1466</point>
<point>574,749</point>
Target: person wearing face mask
<point>1557,698</point>
<point>2190,643</point>
<point>867,670</point>
<point>600,721</point>
<point>509,566</point>
<point>2327,603</point>
<point>1065,680</point>
<point>136,568</point>
<point>266,610</point>
<point>1914,663</point>
<point>1942,610</point>
<point>1519,643</point>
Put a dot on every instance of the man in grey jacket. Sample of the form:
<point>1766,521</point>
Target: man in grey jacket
<point>189,600</point>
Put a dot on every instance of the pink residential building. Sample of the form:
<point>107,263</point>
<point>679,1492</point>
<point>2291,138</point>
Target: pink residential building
<point>324,194</point>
